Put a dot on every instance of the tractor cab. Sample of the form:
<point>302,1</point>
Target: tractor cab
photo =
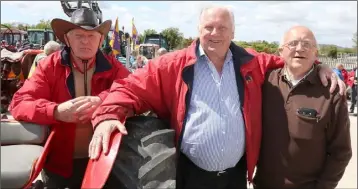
<point>39,37</point>
<point>157,39</point>
<point>11,38</point>
<point>148,50</point>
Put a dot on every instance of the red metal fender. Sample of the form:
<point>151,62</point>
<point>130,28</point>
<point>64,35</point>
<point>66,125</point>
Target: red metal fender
<point>97,171</point>
<point>39,163</point>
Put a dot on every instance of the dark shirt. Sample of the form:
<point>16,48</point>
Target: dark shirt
<point>298,151</point>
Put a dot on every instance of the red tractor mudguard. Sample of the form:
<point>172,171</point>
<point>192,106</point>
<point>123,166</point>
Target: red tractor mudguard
<point>39,164</point>
<point>98,171</point>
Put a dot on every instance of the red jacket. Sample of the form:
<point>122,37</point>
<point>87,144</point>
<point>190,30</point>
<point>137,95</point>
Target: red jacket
<point>164,86</point>
<point>51,84</point>
<point>351,75</point>
<point>345,76</point>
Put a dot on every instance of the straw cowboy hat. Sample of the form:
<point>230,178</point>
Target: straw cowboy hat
<point>83,18</point>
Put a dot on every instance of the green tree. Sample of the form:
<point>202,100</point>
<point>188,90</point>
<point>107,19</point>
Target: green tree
<point>43,24</point>
<point>173,36</point>
<point>332,51</point>
<point>355,40</point>
<point>186,42</point>
<point>10,25</point>
<point>146,33</point>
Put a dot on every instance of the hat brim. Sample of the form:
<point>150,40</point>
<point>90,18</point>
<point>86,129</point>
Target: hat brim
<point>60,27</point>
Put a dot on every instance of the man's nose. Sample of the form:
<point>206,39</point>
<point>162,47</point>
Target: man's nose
<point>85,40</point>
<point>215,32</point>
<point>299,47</point>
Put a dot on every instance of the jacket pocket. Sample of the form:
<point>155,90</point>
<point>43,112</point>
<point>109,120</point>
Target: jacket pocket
<point>304,127</point>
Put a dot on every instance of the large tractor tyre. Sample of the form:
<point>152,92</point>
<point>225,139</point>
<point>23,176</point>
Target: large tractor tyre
<point>147,156</point>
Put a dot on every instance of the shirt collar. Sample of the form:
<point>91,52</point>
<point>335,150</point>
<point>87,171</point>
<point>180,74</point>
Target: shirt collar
<point>201,53</point>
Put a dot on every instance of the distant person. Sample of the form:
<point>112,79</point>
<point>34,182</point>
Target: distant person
<point>49,48</point>
<point>338,70</point>
<point>162,51</point>
<point>352,82</point>
<point>140,62</point>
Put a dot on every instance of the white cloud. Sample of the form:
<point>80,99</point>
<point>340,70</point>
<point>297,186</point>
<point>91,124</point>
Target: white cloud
<point>145,9</point>
<point>332,22</point>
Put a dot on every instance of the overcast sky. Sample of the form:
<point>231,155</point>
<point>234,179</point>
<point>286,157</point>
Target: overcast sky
<point>332,22</point>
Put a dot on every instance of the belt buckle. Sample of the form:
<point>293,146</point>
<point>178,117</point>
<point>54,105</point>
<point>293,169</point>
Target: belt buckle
<point>220,173</point>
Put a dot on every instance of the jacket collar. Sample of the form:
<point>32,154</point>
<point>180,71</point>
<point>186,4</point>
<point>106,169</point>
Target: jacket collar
<point>101,64</point>
<point>311,76</point>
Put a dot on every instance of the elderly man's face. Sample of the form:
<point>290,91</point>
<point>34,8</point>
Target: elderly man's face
<point>84,43</point>
<point>299,50</point>
<point>216,31</point>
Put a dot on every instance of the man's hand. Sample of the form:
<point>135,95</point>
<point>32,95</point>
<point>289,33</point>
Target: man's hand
<point>85,111</point>
<point>327,73</point>
<point>101,136</point>
<point>76,110</point>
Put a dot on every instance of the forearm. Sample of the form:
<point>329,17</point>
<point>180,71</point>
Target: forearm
<point>39,111</point>
<point>333,172</point>
<point>339,150</point>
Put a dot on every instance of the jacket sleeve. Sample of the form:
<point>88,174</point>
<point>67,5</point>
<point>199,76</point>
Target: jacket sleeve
<point>31,103</point>
<point>269,61</point>
<point>145,89</point>
<point>120,72</point>
<point>339,150</point>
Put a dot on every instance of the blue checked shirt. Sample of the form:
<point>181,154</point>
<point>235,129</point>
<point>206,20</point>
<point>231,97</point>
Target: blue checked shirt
<point>214,136</point>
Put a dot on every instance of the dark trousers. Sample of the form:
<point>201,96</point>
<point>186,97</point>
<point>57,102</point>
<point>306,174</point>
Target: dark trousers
<point>190,176</point>
<point>353,97</point>
<point>54,181</point>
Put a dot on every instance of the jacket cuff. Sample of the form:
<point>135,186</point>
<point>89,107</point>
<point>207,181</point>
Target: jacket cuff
<point>97,120</point>
<point>103,95</point>
<point>50,111</point>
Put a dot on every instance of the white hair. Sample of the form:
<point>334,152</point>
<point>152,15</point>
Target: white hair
<point>162,51</point>
<point>283,39</point>
<point>51,47</point>
<point>226,8</point>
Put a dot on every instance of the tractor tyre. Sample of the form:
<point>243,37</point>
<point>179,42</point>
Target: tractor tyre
<point>147,156</point>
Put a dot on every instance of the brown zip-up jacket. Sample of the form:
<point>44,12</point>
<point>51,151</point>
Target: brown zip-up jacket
<point>299,151</point>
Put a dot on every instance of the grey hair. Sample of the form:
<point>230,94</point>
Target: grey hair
<point>283,39</point>
<point>51,47</point>
<point>226,8</point>
<point>162,51</point>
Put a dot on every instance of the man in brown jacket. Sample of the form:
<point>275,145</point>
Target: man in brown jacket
<point>306,140</point>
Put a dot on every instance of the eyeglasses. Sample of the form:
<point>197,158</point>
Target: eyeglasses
<point>292,45</point>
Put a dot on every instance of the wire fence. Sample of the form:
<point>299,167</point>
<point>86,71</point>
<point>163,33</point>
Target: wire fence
<point>348,62</point>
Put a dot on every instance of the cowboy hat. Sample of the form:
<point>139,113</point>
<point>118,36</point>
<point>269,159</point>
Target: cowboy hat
<point>83,18</point>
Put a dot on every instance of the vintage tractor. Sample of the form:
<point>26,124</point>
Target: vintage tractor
<point>148,50</point>
<point>10,37</point>
<point>145,158</point>
<point>39,37</point>
<point>157,39</point>
<point>15,67</point>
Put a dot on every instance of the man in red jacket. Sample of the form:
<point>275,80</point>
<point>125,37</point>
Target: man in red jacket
<point>211,92</point>
<point>64,91</point>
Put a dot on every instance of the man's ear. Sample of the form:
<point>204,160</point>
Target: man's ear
<point>316,53</point>
<point>279,50</point>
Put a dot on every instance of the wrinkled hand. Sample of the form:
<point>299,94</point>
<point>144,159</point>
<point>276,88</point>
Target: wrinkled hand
<point>101,136</point>
<point>76,110</point>
<point>326,74</point>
